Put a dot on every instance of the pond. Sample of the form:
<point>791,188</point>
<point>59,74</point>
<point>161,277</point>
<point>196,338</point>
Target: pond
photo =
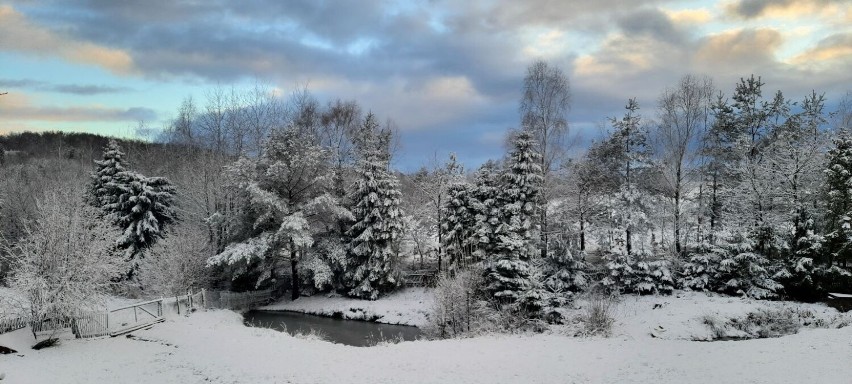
<point>350,332</point>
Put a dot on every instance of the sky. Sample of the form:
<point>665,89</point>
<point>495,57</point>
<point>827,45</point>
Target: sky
<point>449,73</point>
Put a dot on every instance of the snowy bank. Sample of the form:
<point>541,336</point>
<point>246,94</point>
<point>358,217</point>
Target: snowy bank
<point>410,306</point>
<point>215,347</point>
<point>683,315</point>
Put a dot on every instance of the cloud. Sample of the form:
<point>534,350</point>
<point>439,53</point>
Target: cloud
<point>19,107</point>
<point>75,89</point>
<point>789,9</point>
<point>689,16</point>
<point>445,68</point>
<point>20,35</point>
<point>828,51</point>
<point>738,50</point>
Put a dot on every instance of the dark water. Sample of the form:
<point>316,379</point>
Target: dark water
<point>349,332</point>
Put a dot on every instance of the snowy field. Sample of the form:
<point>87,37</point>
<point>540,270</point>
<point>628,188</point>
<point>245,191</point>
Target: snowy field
<point>215,346</point>
<point>410,306</point>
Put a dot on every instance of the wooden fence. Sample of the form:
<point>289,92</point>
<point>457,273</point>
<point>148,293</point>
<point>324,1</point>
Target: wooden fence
<point>13,324</point>
<point>236,300</point>
<point>136,316</point>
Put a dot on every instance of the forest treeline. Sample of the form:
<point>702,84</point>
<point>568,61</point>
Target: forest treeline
<point>735,190</point>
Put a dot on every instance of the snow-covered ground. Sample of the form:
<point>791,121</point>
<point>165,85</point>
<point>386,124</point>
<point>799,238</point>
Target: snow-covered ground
<point>682,315</point>
<point>410,306</point>
<point>651,342</point>
<point>216,347</point>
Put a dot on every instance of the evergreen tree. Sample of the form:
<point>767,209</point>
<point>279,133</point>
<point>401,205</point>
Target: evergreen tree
<point>141,210</point>
<point>283,198</point>
<point>375,234</point>
<point>458,223</point>
<point>102,190</point>
<point>745,271</point>
<point>838,200</point>
<point>509,275</point>
<point>630,139</point>
<point>485,210</point>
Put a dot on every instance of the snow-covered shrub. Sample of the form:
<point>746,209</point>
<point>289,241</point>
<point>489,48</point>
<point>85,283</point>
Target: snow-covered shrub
<point>701,271</point>
<point>638,274</point>
<point>563,272</point>
<point>178,263</point>
<point>804,280</point>
<point>66,262</point>
<point>598,315</point>
<point>458,307</point>
<point>746,272</point>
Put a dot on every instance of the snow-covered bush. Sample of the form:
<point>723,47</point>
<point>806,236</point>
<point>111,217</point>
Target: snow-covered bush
<point>701,271</point>
<point>178,263</point>
<point>746,272</point>
<point>66,262</point>
<point>598,315</point>
<point>563,272</point>
<point>804,280</point>
<point>459,305</point>
<point>638,274</point>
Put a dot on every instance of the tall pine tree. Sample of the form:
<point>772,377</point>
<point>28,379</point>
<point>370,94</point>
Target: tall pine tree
<point>509,275</point>
<point>139,206</point>
<point>838,199</point>
<point>141,210</point>
<point>485,210</point>
<point>100,192</point>
<point>375,234</point>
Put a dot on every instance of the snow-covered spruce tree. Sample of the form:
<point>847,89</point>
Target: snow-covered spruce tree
<point>838,201</point>
<point>485,210</point>
<point>102,189</point>
<point>282,198</point>
<point>701,271</point>
<point>629,149</point>
<point>637,273</point>
<point>377,228</point>
<point>563,271</point>
<point>458,223</point>
<point>746,272</point>
<point>509,274</point>
<point>141,210</point>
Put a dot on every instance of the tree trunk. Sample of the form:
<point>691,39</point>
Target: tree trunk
<point>628,243</point>
<point>677,226</point>
<point>714,208</point>
<point>544,230</point>
<point>294,294</point>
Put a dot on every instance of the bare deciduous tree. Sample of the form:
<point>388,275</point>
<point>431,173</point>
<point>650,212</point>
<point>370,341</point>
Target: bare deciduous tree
<point>684,113</point>
<point>544,106</point>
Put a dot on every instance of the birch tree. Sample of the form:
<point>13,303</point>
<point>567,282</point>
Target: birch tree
<point>544,106</point>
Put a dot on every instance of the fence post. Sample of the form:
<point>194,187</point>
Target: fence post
<point>177,302</point>
<point>135,317</point>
